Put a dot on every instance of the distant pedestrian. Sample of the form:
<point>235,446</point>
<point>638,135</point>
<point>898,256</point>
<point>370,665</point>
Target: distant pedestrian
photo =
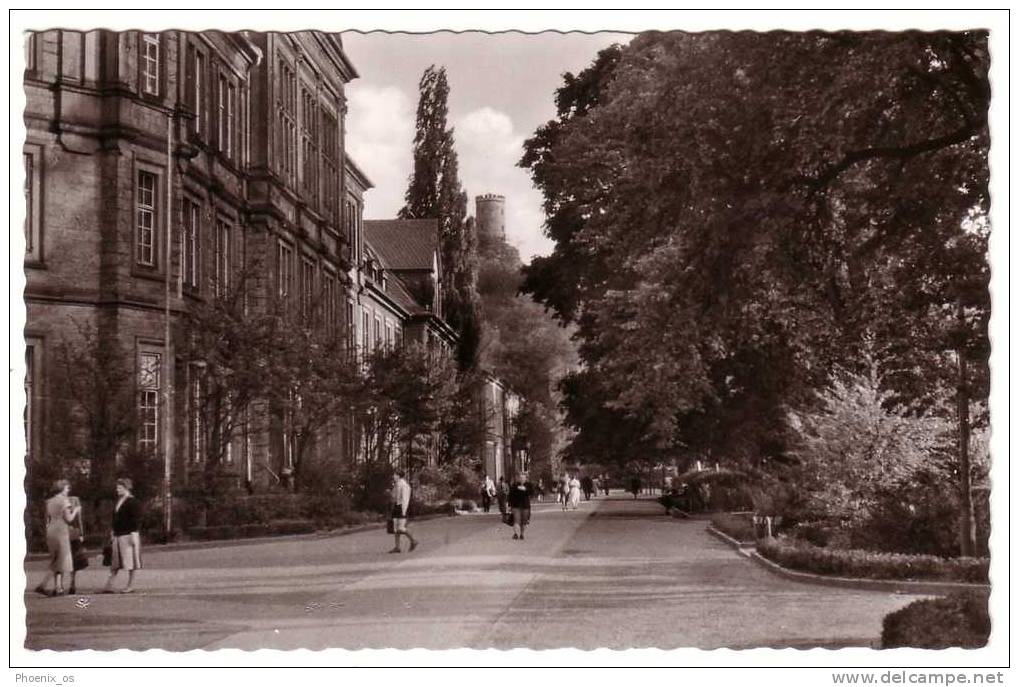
<point>60,513</point>
<point>574,500</point>
<point>501,491</point>
<point>487,493</point>
<point>520,505</point>
<point>401,505</point>
<point>635,486</point>
<point>564,490</point>
<point>604,483</point>
<point>587,485</point>
<point>125,537</point>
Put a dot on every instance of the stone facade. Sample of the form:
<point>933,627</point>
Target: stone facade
<point>499,407</point>
<point>158,166</point>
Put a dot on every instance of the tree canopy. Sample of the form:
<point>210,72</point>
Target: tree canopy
<point>735,214</point>
<point>435,191</point>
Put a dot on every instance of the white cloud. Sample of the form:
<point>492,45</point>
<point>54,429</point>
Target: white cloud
<point>489,148</point>
<point>380,139</point>
<point>380,134</point>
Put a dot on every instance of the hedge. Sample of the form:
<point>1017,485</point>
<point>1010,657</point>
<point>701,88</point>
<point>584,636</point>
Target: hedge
<point>739,527</point>
<point>717,490</point>
<point>871,565</point>
<point>958,620</point>
<point>279,527</point>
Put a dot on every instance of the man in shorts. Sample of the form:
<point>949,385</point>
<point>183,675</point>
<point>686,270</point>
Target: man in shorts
<point>401,502</point>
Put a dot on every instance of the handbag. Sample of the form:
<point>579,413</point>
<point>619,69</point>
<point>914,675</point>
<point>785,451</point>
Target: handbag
<point>507,518</point>
<point>79,559</point>
<point>390,526</point>
<point>108,554</point>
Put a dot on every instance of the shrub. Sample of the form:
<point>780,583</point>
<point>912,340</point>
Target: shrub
<point>464,505</point>
<point>324,509</point>
<point>718,490</point>
<point>434,484</point>
<point>739,527</point>
<point>918,516</point>
<point>958,620</point>
<point>370,486</point>
<point>816,533</point>
<point>872,565</point>
<point>279,527</point>
<point>464,481</point>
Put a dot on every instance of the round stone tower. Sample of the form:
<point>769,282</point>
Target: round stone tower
<point>490,215</point>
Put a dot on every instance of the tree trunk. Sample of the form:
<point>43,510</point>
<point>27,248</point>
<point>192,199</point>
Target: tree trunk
<point>967,521</point>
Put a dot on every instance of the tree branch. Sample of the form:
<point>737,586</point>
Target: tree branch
<point>820,180</point>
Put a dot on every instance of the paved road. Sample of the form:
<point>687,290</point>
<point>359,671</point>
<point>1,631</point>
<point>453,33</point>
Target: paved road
<point>616,573</point>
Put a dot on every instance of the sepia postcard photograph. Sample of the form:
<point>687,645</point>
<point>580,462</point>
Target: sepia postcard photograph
<point>536,332</point>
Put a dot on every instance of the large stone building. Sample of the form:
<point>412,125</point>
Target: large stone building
<point>164,170</point>
<point>159,167</point>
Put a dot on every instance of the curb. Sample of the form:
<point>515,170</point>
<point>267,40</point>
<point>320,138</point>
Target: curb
<point>890,586</point>
<point>743,548</point>
<point>221,543</point>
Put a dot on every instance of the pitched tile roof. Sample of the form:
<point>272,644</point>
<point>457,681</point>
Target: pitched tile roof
<point>404,244</point>
<point>396,290</point>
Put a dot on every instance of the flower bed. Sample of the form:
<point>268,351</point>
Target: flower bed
<point>739,527</point>
<point>959,620</point>
<point>870,565</point>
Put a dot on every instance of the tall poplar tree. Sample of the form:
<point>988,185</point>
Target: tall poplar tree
<point>435,192</point>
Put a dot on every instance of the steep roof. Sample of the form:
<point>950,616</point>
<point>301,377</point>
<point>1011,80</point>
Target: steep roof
<point>404,244</point>
<point>396,290</point>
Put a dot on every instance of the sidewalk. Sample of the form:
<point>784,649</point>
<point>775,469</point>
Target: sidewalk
<point>221,543</point>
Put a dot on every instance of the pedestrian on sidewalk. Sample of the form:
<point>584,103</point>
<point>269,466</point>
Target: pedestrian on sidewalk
<point>587,485</point>
<point>487,493</point>
<point>574,493</point>
<point>60,513</point>
<point>401,504</point>
<point>635,486</point>
<point>501,492</point>
<point>564,489</point>
<point>605,484</point>
<point>520,505</point>
<point>125,538</point>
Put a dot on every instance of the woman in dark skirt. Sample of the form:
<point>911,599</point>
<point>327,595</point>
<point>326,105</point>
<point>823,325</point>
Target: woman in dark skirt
<point>127,546</point>
<point>79,560</point>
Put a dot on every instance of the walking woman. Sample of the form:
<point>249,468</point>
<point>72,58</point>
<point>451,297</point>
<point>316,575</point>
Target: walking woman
<point>520,506</point>
<point>60,513</point>
<point>574,493</point>
<point>127,545</point>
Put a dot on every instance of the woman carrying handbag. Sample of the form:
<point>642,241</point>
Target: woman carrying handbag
<point>79,559</point>
<point>125,539</point>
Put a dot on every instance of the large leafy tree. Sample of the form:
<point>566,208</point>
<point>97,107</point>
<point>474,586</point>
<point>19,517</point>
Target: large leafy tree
<point>738,213</point>
<point>435,192</point>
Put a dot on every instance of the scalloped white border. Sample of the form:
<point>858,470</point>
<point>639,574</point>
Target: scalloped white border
<point>725,662</point>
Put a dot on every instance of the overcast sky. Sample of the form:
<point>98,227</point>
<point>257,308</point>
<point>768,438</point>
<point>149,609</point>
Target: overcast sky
<point>502,87</point>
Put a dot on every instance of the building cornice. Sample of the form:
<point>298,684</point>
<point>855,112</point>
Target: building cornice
<point>360,177</point>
